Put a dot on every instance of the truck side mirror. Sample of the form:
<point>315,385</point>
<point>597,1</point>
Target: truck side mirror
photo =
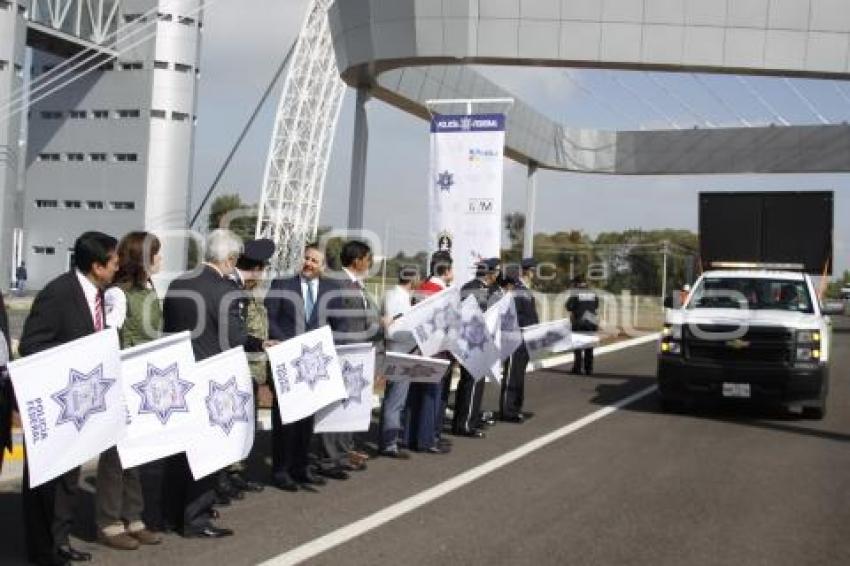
<point>832,308</point>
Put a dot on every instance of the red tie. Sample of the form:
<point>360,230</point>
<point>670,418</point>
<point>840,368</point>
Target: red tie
<point>98,312</point>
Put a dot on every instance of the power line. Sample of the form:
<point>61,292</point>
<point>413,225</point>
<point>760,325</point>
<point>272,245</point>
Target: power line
<point>721,101</point>
<point>762,101</point>
<point>244,133</point>
<point>648,103</point>
<point>687,106</point>
<point>806,101</point>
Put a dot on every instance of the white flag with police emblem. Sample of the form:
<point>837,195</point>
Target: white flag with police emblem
<point>502,323</point>
<point>71,403</point>
<point>554,337</point>
<point>434,322</point>
<point>307,374</point>
<point>416,369</point>
<point>164,401</point>
<point>354,412</point>
<point>227,433</point>
<point>474,348</point>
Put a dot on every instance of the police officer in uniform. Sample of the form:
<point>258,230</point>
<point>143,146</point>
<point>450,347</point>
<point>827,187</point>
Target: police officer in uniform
<point>513,376</point>
<point>582,305</point>
<point>250,268</point>
<point>470,392</point>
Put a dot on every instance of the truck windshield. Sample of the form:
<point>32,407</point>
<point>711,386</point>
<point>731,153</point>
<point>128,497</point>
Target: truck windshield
<point>751,293</point>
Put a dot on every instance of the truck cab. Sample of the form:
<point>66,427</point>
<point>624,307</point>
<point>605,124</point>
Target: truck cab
<point>748,334</point>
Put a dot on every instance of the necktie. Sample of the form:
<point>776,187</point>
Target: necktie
<point>309,301</point>
<point>98,312</point>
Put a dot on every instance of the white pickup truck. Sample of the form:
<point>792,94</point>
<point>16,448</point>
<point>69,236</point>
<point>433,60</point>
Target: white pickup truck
<point>749,334</point>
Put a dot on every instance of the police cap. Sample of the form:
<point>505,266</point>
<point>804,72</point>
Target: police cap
<point>258,251</point>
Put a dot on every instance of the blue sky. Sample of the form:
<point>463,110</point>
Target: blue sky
<point>242,51</point>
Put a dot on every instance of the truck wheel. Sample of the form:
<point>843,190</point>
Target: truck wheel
<point>670,405</point>
<point>814,413</point>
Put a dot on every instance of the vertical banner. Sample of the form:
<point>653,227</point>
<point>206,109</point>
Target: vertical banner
<point>227,434</point>
<point>354,413</point>
<point>165,404</point>
<point>71,403</point>
<point>465,189</point>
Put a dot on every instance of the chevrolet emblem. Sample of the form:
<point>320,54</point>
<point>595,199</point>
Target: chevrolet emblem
<point>738,344</point>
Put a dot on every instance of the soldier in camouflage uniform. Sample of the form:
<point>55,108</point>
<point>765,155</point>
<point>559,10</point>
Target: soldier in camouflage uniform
<point>250,268</point>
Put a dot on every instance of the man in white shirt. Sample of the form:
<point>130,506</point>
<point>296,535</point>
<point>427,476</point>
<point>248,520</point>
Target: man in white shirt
<point>397,303</point>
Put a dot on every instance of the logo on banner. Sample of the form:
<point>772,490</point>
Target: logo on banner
<point>509,322</point>
<point>445,181</point>
<point>312,365</point>
<point>226,405</point>
<point>163,393</point>
<point>84,396</point>
<point>481,206</point>
<point>283,379</point>
<point>474,331</point>
<point>444,241</point>
<point>355,383</point>
<point>477,154</point>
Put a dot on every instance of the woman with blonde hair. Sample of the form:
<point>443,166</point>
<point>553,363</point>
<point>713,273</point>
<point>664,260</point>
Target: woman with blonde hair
<point>133,307</point>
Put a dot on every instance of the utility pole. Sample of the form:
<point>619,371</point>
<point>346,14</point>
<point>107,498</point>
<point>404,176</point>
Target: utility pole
<point>664,275</point>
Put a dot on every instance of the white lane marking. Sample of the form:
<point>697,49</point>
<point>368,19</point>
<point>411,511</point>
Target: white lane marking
<point>349,532</point>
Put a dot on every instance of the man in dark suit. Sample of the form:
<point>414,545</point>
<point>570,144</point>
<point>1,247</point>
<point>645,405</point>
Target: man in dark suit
<point>68,308</point>
<point>207,304</point>
<point>357,320</point>
<point>297,305</point>
<point>470,391</point>
<point>513,375</point>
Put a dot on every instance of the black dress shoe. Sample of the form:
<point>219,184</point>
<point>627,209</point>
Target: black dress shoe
<point>334,473</point>
<point>208,532</point>
<point>242,484</point>
<point>72,554</point>
<point>518,418</point>
<point>309,478</point>
<point>285,482</point>
<point>474,433</point>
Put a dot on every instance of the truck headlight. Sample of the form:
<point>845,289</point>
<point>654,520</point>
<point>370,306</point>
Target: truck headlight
<point>808,337</point>
<point>672,332</point>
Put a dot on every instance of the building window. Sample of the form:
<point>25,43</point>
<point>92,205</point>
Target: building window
<point>158,114</point>
<point>132,66</point>
<point>3,65</point>
<point>49,157</point>
<point>108,66</point>
<point>42,203</point>
<point>4,4</point>
<point>76,157</point>
<point>179,116</point>
<point>51,115</point>
<point>126,157</point>
<point>44,250</point>
<point>182,68</point>
<point>97,156</point>
<point>164,17</point>
<point>186,21</point>
<point>127,113</point>
<point>78,114</point>
<point>160,64</point>
<point>94,204</point>
<point>100,114</point>
<point>19,71</point>
<point>122,205</point>
<point>73,204</point>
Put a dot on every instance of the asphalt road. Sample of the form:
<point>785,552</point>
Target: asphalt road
<point>727,485</point>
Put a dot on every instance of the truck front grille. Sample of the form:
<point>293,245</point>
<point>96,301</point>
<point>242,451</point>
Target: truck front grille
<point>759,345</point>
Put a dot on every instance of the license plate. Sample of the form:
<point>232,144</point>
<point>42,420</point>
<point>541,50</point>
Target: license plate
<point>740,390</point>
